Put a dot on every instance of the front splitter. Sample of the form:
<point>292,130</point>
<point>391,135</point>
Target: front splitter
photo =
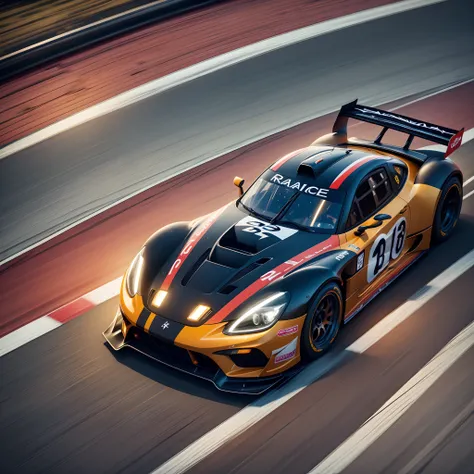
<point>178,358</point>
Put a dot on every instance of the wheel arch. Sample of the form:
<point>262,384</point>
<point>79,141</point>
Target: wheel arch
<point>436,170</point>
<point>309,347</point>
<point>309,279</point>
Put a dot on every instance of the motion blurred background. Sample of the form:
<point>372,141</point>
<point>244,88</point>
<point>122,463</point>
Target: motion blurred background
<point>26,22</point>
<point>76,204</point>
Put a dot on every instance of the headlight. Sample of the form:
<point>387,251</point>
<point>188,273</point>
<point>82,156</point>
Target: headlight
<point>261,316</point>
<point>134,274</point>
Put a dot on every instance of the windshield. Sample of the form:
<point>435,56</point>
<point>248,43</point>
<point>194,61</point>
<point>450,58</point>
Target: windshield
<point>289,206</point>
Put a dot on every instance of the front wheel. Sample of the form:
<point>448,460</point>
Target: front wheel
<point>447,210</point>
<point>323,322</point>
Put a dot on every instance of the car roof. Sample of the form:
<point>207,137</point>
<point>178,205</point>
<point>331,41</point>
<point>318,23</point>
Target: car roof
<point>340,168</point>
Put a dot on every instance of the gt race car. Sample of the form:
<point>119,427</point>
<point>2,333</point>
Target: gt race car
<point>245,296</point>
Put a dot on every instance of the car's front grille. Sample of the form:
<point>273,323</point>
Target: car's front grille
<point>172,355</point>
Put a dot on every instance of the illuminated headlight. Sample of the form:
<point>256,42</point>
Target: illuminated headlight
<point>134,274</point>
<point>261,316</point>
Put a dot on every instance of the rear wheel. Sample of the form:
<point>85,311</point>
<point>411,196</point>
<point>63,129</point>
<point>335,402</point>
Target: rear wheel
<point>323,322</point>
<point>447,210</point>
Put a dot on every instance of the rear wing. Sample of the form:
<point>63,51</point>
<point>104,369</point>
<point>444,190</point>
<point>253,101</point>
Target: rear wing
<point>401,123</point>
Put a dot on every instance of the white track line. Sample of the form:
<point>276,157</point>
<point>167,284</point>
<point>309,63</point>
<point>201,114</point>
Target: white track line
<point>468,195</point>
<point>428,452</point>
<point>212,65</point>
<point>256,411</point>
<point>468,181</point>
<point>397,405</point>
<point>27,333</point>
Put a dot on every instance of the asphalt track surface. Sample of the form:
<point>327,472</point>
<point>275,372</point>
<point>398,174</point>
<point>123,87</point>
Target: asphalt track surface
<point>69,405</point>
<point>54,183</point>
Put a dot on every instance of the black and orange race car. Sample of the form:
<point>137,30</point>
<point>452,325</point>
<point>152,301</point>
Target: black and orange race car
<point>246,295</point>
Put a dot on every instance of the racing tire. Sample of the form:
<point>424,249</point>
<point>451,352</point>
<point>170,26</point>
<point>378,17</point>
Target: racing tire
<point>323,322</point>
<point>447,211</point>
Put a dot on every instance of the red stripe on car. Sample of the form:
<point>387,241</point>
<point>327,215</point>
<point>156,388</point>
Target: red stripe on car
<point>190,244</point>
<point>284,159</point>
<point>342,176</point>
<point>272,275</point>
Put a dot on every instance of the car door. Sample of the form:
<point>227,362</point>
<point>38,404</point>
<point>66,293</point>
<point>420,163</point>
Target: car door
<point>378,248</point>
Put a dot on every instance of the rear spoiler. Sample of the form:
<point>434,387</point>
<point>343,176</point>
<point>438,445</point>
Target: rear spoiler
<point>390,120</point>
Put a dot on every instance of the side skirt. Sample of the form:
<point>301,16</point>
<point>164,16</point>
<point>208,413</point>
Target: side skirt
<point>382,287</point>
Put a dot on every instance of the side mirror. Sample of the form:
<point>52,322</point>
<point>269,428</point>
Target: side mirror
<point>239,182</point>
<point>379,218</point>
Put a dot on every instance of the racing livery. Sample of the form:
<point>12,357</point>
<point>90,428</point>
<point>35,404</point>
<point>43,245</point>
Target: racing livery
<point>246,295</point>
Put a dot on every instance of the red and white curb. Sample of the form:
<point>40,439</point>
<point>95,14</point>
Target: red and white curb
<point>59,316</point>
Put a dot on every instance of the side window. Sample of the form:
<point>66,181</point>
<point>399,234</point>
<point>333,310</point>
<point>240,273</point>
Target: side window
<point>367,204</point>
<point>381,186</point>
<point>363,189</point>
<point>370,196</point>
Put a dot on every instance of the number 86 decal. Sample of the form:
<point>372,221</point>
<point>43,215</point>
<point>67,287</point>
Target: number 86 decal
<point>386,247</point>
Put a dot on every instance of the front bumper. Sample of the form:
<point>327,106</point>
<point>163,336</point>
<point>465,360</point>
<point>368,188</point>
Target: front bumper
<point>181,359</point>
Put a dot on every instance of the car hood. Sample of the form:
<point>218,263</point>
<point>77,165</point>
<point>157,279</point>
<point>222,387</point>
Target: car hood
<point>227,258</point>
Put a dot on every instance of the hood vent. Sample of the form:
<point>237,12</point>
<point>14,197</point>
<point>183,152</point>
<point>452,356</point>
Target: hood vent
<point>316,164</point>
<point>234,239</point>
<point>195,267</point>
<point>230,286</point>
<point>228,257</point>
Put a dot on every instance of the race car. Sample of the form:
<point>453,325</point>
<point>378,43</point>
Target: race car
<point>245,296</point>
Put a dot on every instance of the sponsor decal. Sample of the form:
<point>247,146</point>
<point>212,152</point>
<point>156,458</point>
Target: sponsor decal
<point>165,325</point>
<point>189,246</point>
<point>454,143</point>
<point>286,352</point>
<point>272,275</point>
<point>342,255</point>
<point>302,187</point>
<point>263,230</point>
<point>386,247</point>
<point>360,261</point>
<point>287,331</point>
<point>285,357</point>
<point>289,264</point>
<point>400,118</point>
<point>352,246</point>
